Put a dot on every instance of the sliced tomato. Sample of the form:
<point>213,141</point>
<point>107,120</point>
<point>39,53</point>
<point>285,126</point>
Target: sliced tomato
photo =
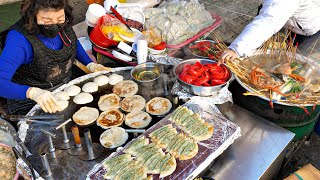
<point>196,70</point>
<point>202,79</point>
<point>189,79</point>
<point>186,67</point>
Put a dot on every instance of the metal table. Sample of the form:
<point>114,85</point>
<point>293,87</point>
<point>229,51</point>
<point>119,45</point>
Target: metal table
<point>257,154</point>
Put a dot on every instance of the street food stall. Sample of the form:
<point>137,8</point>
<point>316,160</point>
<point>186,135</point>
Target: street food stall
<point>157,116</point>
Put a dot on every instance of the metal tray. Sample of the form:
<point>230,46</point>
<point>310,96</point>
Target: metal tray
<point>225,132</point>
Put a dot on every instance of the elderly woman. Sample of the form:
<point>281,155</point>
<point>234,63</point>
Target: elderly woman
<point>38,53</point>
<point>300,16</point>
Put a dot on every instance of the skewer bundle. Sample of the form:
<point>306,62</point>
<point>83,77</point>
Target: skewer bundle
<point>282,50</point>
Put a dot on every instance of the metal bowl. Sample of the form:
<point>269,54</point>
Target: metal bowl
<point>150,79</point>
<point>196,42</point>
<point>197,90</point>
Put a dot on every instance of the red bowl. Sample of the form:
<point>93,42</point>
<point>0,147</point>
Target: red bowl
<point>98,38</point>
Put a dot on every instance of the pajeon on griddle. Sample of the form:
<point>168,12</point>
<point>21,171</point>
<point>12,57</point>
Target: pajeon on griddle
<point>138,119</point>
<point>101,80</point>
<point>113,137</point>
<point>90,87</point>
<point>72,90</point>
<point>109,101</point>
<point>62,96</point>
<point>85,116</point>
<point>125,88</point>
<point>110,118</point>
<point>158,106</point>
<point>133,103</point>
<point>115,78</point>
<point>83,98</point>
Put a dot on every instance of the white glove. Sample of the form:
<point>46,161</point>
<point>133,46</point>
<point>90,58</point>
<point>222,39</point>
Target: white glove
<point>44,98</point>
<point>94,67</point>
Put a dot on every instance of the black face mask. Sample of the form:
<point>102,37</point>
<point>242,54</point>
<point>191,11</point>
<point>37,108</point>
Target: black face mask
<point>51,30</point>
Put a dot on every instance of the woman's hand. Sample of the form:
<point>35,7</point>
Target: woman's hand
<point>228,55</point>
<point>44,98</point>
<point>94,67</point>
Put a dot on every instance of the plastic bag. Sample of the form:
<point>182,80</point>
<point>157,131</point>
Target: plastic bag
<point>153,37</point>
<point>177,20</point>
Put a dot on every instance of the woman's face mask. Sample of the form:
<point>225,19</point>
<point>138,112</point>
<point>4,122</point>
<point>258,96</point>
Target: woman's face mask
<point>51,30</point>
<point>51,21</point>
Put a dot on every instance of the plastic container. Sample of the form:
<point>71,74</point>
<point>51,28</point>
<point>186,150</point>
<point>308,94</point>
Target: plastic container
<point>94,12</point>
<point>98,38</point>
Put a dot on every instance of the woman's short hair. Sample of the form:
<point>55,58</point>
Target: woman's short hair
<point>30,8</point>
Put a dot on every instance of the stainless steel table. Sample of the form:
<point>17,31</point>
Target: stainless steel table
<point>257,154</point>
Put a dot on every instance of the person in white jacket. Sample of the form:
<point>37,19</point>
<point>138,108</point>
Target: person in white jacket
<point>300,16</point>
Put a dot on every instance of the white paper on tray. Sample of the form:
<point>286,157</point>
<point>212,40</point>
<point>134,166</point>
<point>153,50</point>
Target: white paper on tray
<point>225,132</point>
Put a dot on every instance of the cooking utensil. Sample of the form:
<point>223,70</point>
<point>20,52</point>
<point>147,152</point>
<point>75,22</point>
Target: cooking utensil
<point>35,119</point>
<point>38,117</point>
<point>78,149</point>
<point>115,12</point>
<point>147,74</point>
<point>197,90</point>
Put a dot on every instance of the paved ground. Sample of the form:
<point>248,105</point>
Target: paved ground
<point>236,15</point>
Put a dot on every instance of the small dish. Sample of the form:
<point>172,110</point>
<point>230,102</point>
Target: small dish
<point>204,49</point>
<point>156,52</point>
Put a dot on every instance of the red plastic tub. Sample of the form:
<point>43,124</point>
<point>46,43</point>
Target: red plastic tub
<point>98,38</point>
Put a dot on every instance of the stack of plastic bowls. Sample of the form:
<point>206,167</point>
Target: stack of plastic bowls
<point>94,12</point>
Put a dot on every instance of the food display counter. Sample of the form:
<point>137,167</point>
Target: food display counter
<point>261,147</point>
